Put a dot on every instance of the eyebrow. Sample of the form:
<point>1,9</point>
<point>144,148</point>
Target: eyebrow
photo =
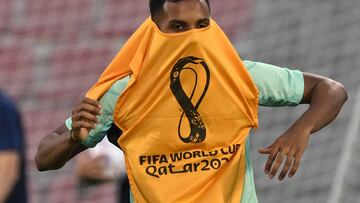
<point>177,21</point>
<point>183,22</point>
<point>204,19</point>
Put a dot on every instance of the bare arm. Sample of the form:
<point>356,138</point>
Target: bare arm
<point>57,148</point>
<point>9,172</point>
<point>326,98</point>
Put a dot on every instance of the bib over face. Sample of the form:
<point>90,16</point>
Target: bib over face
<point>185,114</point>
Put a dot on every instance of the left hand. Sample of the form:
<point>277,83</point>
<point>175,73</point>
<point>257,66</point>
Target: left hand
<point>290,146</point>
<point>91,168</point>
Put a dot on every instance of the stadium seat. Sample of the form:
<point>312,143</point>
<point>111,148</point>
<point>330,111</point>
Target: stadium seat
<point>59,19</point>
<point>121,19</point>
<point>16,64</point>
<point>226,13</point>
<point>63,184</point>
<point>67,183</point>
<point>69,74</point>
<point>5,14</point>
<point>40,120</point>
<point>73,70</point>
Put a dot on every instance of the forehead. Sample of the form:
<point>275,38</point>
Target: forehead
<point>180,9</point>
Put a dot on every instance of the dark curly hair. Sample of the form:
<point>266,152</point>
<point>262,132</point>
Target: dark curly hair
<point>157,5</point>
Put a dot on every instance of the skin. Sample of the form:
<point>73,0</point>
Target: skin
<point>9,172</point>
<point>91,168</point>
<point>324,96</point>
<point>177,17</point>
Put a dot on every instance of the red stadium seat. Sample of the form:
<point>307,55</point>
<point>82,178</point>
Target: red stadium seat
<point>5,14</point>
<point>68,184</point>
<point>70,72</point>
<point>48,19</point>
<point>41,120</point>
<point>234,16</point>
<point>62,184</point>
<point>121,18</point>
<point>16,64</point>
<point>73,70</point>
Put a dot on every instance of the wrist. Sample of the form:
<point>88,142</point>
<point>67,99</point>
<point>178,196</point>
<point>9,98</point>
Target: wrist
<point>302,129</point>
<point>72,138</point>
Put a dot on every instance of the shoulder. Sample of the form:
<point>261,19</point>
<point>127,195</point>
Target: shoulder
<point>260,67</point>
<point>111,96</point>
<point>277,86</point>
<point>261,72</point>
<point>119,86</point>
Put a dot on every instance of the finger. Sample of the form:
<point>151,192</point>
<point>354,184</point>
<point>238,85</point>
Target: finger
<point>271,159</point>
<point>83,115</point>
<point>83,124</point>
<point>295,166</point>
<point>87,107</point>
<point>288,164</point>
<point>266,150</point>
<point>91,102</point>
<point>277,163</point>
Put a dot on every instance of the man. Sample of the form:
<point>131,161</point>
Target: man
<point>12,159</point>
<point>209,165</point>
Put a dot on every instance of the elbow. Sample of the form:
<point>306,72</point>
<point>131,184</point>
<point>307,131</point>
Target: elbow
<point>39,162</point>
<point>341,92</point>
<point>39,165</point>
<point>42,166</point>
<point>346,96</point>
<point>337,90</point>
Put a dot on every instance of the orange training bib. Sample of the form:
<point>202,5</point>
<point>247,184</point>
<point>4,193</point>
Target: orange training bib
<point>185,114</point>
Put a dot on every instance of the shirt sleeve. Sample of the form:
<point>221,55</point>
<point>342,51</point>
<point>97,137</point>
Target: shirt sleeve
<point>108,102</point>
<point>277,86</point>
<point>10,127</point>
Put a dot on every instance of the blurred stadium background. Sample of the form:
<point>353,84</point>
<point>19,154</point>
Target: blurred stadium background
<point>52,51</point>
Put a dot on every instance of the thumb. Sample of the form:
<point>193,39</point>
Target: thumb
<point>266,150</point>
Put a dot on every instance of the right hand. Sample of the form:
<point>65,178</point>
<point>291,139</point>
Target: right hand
<point>84,118</point>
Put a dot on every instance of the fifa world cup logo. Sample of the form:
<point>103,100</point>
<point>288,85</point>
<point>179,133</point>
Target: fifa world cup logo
<point>197,132</point>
